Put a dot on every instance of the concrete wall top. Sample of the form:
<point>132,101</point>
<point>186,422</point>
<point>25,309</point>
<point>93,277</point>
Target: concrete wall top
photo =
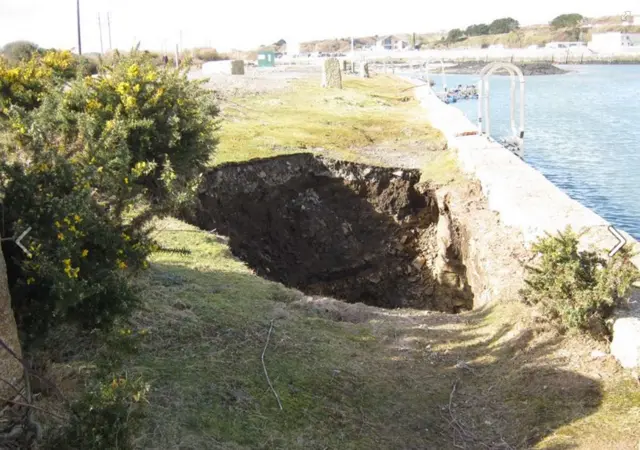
<point>524,198</point>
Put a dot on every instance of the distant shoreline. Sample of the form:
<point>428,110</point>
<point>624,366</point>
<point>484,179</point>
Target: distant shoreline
<point>528,69</point>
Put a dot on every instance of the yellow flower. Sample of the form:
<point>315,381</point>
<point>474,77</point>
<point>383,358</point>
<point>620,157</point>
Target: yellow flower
<point>126,180</point>
<point>60,237</point>
<point>126,237</point>
<point>67,262</point>
<point>77,218</point>
<point>122,265</point>
<point>133,71</point>
<point>85,252</point>
<point>58,224</point>
<point>30,280</point>
<point>100,169</point>
<point>150,77</point>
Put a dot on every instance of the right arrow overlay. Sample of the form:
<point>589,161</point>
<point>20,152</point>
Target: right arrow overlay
<point>621,241</point>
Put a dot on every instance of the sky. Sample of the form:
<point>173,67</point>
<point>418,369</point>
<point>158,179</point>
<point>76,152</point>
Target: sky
<point>237,24</point>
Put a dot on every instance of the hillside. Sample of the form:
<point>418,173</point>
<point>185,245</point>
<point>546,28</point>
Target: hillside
<point>524,37</point>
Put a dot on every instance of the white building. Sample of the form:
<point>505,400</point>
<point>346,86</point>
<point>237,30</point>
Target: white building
<point>613,41</point>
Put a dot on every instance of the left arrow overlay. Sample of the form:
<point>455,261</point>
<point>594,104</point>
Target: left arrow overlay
<point>621,241</point>
<point>19,244</point>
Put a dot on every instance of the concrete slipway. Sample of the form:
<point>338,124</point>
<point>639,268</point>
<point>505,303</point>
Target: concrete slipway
<point>528,202</point>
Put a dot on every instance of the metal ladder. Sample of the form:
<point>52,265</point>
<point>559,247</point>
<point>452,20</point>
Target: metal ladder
<point>484,120</point>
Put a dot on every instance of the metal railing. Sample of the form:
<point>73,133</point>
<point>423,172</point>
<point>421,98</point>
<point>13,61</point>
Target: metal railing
<point>484,117</point>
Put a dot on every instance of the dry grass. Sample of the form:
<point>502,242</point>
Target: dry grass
<point>374,112</point>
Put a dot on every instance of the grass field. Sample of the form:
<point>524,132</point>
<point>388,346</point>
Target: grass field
<point>351,376</point>
<point>306,117</point>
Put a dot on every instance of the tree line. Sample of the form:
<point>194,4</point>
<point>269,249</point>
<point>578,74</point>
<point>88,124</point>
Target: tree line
<point>507,25</point>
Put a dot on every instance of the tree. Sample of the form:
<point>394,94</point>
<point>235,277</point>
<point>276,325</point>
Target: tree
<point>503,26</point>
<point>455,35</point>
<point>566,20</point>
<point>480,29</point>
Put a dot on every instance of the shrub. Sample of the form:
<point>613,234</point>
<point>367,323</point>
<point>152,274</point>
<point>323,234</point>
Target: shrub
<point>106,417</point>
<point>19,50</point>
<point>26,83</point>
<point>577,288</point>
<point>208,54</point>
<point>91,164</point>
<point>81,256</point>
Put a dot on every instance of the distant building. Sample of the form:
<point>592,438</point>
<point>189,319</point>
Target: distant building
<point>384,43</point>
<point>614,41</point>
<point>391,43</point>
<point>401,45</point>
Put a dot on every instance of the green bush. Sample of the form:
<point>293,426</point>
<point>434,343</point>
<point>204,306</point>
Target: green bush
<point>92,161</point>
<point>19,50</point>
<point>106,417</point>
<point>81,256</point>
<point>577,288</point>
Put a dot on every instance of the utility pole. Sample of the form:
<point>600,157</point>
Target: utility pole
<point>100,27</point>
<point>78,19</point>
<point>109,28</point>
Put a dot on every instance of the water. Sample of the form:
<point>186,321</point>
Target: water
<point>582,131</point>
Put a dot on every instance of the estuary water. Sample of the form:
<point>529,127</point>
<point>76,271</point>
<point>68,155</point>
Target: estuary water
<point>582,131</point>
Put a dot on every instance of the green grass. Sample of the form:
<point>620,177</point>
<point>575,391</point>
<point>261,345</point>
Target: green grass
<point>350,376</point>
<point>306,117</point>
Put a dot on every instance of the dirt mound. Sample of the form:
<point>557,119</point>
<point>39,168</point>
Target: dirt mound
<point>334,228</point>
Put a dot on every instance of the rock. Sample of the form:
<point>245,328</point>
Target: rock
<point>450,279</point>
<point>419,262</point>
<point>398,173</point>
<point>331,74</point>
<point>364,70</point>
<point>625,346</point>
<point>598,354</point>
<point>237,67</point>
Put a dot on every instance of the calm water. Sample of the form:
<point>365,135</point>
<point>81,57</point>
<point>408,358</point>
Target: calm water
<point>582,131</point>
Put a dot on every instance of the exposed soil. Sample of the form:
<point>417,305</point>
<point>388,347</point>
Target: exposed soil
<point>353,232</point>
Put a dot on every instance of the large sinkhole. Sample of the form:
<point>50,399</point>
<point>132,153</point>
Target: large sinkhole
<point>349,231</point>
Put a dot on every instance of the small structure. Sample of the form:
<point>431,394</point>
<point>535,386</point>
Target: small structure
<point>266,58</point>
<point>331,74</point>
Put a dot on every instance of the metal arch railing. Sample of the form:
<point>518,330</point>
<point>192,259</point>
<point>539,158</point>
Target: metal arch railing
<point>427,66</point>
<point>484,121</point>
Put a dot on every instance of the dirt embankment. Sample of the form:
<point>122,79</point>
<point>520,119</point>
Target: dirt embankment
<point>528,69</point>
<point>350,231</point>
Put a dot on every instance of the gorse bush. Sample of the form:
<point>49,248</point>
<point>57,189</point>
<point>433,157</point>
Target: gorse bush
<point>26,83</point>
<point>577,288</point>
<point>87,164</point>
<point>81,256</point>
<point>106,417</point>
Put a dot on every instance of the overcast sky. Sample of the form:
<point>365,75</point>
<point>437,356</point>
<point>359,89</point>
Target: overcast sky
<point>246,24</point>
